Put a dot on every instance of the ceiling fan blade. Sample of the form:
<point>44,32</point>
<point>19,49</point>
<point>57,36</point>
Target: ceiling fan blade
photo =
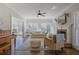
<point>39,11</point>
<point>43,13</point>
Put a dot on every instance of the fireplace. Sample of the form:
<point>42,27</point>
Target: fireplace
<point>63,31</point>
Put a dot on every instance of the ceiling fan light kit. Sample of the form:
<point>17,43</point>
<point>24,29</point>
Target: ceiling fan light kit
<point>40,13</point>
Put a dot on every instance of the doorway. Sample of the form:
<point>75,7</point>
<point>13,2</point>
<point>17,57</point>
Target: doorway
<point>17,28</point>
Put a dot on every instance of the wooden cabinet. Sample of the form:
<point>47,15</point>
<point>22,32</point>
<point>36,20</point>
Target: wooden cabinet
<point>5,43</point>
<point>50,42</point>
<point>4,48</point>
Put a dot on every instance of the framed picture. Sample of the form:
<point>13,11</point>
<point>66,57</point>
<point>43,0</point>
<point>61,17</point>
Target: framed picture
<point>62,19</point>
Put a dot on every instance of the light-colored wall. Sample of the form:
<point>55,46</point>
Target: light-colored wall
<point>5,16</point>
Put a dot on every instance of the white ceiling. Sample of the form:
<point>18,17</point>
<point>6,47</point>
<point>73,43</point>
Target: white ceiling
<point>30,10</point>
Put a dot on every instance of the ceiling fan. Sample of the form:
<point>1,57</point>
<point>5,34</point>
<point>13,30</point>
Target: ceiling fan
<point>40,14</point>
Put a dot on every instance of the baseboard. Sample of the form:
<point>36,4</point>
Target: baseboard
<point>76,48</point>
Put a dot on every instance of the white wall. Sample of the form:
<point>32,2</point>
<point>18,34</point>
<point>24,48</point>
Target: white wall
<point>5,16</point>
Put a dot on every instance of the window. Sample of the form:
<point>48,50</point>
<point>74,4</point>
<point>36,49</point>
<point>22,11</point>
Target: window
<point>38,27</point>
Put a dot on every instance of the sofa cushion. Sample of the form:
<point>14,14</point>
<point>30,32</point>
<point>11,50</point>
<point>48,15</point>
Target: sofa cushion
<point>35,44</point>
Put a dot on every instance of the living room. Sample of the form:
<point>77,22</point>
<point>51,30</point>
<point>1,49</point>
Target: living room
<point>39,28</point>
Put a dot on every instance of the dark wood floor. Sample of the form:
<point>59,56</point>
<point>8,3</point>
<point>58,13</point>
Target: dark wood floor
<point>64,51</point>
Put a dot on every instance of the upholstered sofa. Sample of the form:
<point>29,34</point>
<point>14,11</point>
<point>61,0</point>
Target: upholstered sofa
<point>37,34</point>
